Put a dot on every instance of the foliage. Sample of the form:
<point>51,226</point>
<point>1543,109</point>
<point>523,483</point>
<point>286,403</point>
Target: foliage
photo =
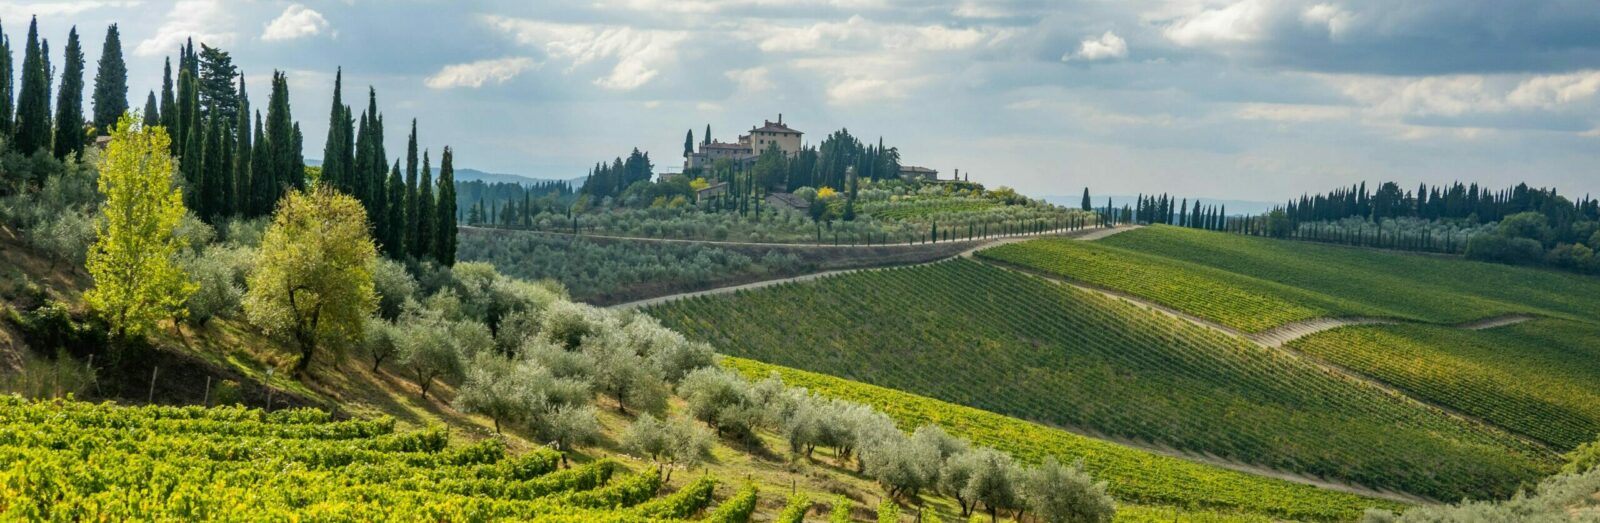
<point>1534,378</point>
<point>1132,475</point>
<point>220,272</point>
<point>1059,494</point>
<point>313,276</point>
<point>98,462</point>
<point>736,509</point>
<point>1562,498</point>
<point>1054,353</point>
<point>133,261</point>
<point>841,510</point>
<point>676,442</point>
<point>794,511</point>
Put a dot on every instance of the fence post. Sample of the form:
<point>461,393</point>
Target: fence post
<point>152,397</point>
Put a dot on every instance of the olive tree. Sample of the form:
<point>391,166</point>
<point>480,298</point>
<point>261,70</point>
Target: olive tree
<point>312,279</point>
<point>671,443</point>
<point>1060,494</point>
<point>623,374</point>
<point>427,351</point>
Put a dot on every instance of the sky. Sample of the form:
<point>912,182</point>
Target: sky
<point>1245,99</point>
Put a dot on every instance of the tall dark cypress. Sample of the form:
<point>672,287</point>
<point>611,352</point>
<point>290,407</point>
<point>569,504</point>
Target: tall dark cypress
<point>169,103</point>
<point>414,230</point>
<point>425,220</point>
<point>297,167</point>
<point>263,186</point>
<point>378,161</point>
<point>8,89</point>
<point>188,104</point>
<point>33,99</point>
<point>215,171</point>
<point>362,165</point>
<point>69,105</point>
<point>242,157</point>
<point>110,84</point>
<point>394,244</point>
<point>279,145</point>
<point>444,233</point>
<point>152,113</point>
<point>192,165</point>
<point>333,151</point>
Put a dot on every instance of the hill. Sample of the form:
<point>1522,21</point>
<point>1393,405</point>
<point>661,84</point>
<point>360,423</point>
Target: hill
<point>982,336</point>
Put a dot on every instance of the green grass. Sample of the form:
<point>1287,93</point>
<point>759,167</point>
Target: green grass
<point>1435,289</point>
<point>1537,378</point>
<point>1133,476</point>
<point>985,337</point>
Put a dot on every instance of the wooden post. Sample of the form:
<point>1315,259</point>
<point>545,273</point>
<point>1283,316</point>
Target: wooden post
<point>152,397</point>
<point>206,399</point>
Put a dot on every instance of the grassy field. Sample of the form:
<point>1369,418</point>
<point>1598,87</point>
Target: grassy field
<point>1537,378</point>
<point>1424,288</point>
<point>985,337</point>
<point>1133,475</point>
<point>80,461</point>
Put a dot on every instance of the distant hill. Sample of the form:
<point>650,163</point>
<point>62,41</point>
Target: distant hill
<point>468,175</point>
<point>1235,207</point>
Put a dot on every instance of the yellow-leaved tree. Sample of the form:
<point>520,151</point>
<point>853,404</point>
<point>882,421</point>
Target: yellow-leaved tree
<point>312,280</point>
<point>137,282</point>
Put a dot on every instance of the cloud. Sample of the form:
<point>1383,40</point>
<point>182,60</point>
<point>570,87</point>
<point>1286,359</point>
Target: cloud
<point>1243,21</point>
<point>205,21</point>
<point>297,21</point>
<point>859,33</point>
<point>475,74</point>
<point>639,54</point>
<point>1107,47</point>
<point>25,10</point>
<point>1292,112</point>
<point>752,80</point>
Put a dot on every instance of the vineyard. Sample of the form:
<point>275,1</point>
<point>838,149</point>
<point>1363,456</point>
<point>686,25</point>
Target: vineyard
<point>1134,476</point>
<point>75,461</point>
<point>1536,378</point>
<point>1234,300</point>
<point>989,338</point>
<point>933,208</point>
<point>1423,288</point>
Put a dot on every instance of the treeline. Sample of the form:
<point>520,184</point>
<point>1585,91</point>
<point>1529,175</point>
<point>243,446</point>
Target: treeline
<point>234,163</point>
<point>511,204</point>
<point>1470,202</point>
<point>1160,209</point>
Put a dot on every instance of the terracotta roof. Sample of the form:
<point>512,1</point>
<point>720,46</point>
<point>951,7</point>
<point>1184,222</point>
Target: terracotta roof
<point>771,127</point>
<point>910,169</point>
<point>720,145</point>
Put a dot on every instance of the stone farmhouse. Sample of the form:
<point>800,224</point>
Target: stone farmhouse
<point>748,147</point>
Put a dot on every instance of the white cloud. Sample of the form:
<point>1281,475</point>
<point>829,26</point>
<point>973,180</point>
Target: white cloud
<point>752,80</point>
<point>1242,21</point>
<point>475,74</point>
<point>1553,91</point>
<point>1106,47</point>
<point>1292,112</point>
<point>640,54</point>
<point>718,6</point>
<point>297,21</point>
<point>858,33</point>
<point>1457,95</point>
<point>205,21</point>
<point>1336,20</point>
<point>24,10</point>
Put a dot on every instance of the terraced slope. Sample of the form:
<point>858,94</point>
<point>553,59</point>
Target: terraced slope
<point>74,461</point>
<point>1540,378</point>
<point>1133,476</point>
<point>1432,289</point>
<point>989,338</point>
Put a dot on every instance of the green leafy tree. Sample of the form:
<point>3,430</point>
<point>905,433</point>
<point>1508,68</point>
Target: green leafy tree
<point>111,84</point>
<point>215,72</point>
<point>313,277</point>
<point>137,281</point>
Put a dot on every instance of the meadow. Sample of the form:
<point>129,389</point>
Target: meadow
<point>986,337</point>
<point>1536,378</point>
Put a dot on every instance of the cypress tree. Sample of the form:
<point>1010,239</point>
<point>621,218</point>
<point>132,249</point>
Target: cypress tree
<point>707,137</point>
<point>362,165</point>
<point>69,105</point>
<point>188,104</point>
<point>260,200</point>
<point>297,165</point>
<point>445,232</point>
<point>394,243</point>
<point>1087,205</point>
<point>238,204</point>
<point>33,99</point>
<point>7,88</point>
<point>192,165</point>
<point>688,143</point>
<point>414,229</point>
<point>169,109</point>
<point>215,169</point>
<point>425,220</point>
<point>378,162</point>
<point>214,72</point>
<point>333,151</point>
<point>279,144</point>
<point>110,84</point>
<point>152,114</point>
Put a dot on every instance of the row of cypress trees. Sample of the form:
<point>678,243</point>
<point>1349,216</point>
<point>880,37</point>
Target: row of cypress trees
<point>233,163</point>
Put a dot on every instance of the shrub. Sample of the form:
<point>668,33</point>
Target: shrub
<point>1059,494</point>
<point>220,272</point>
<point>394,286</point>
